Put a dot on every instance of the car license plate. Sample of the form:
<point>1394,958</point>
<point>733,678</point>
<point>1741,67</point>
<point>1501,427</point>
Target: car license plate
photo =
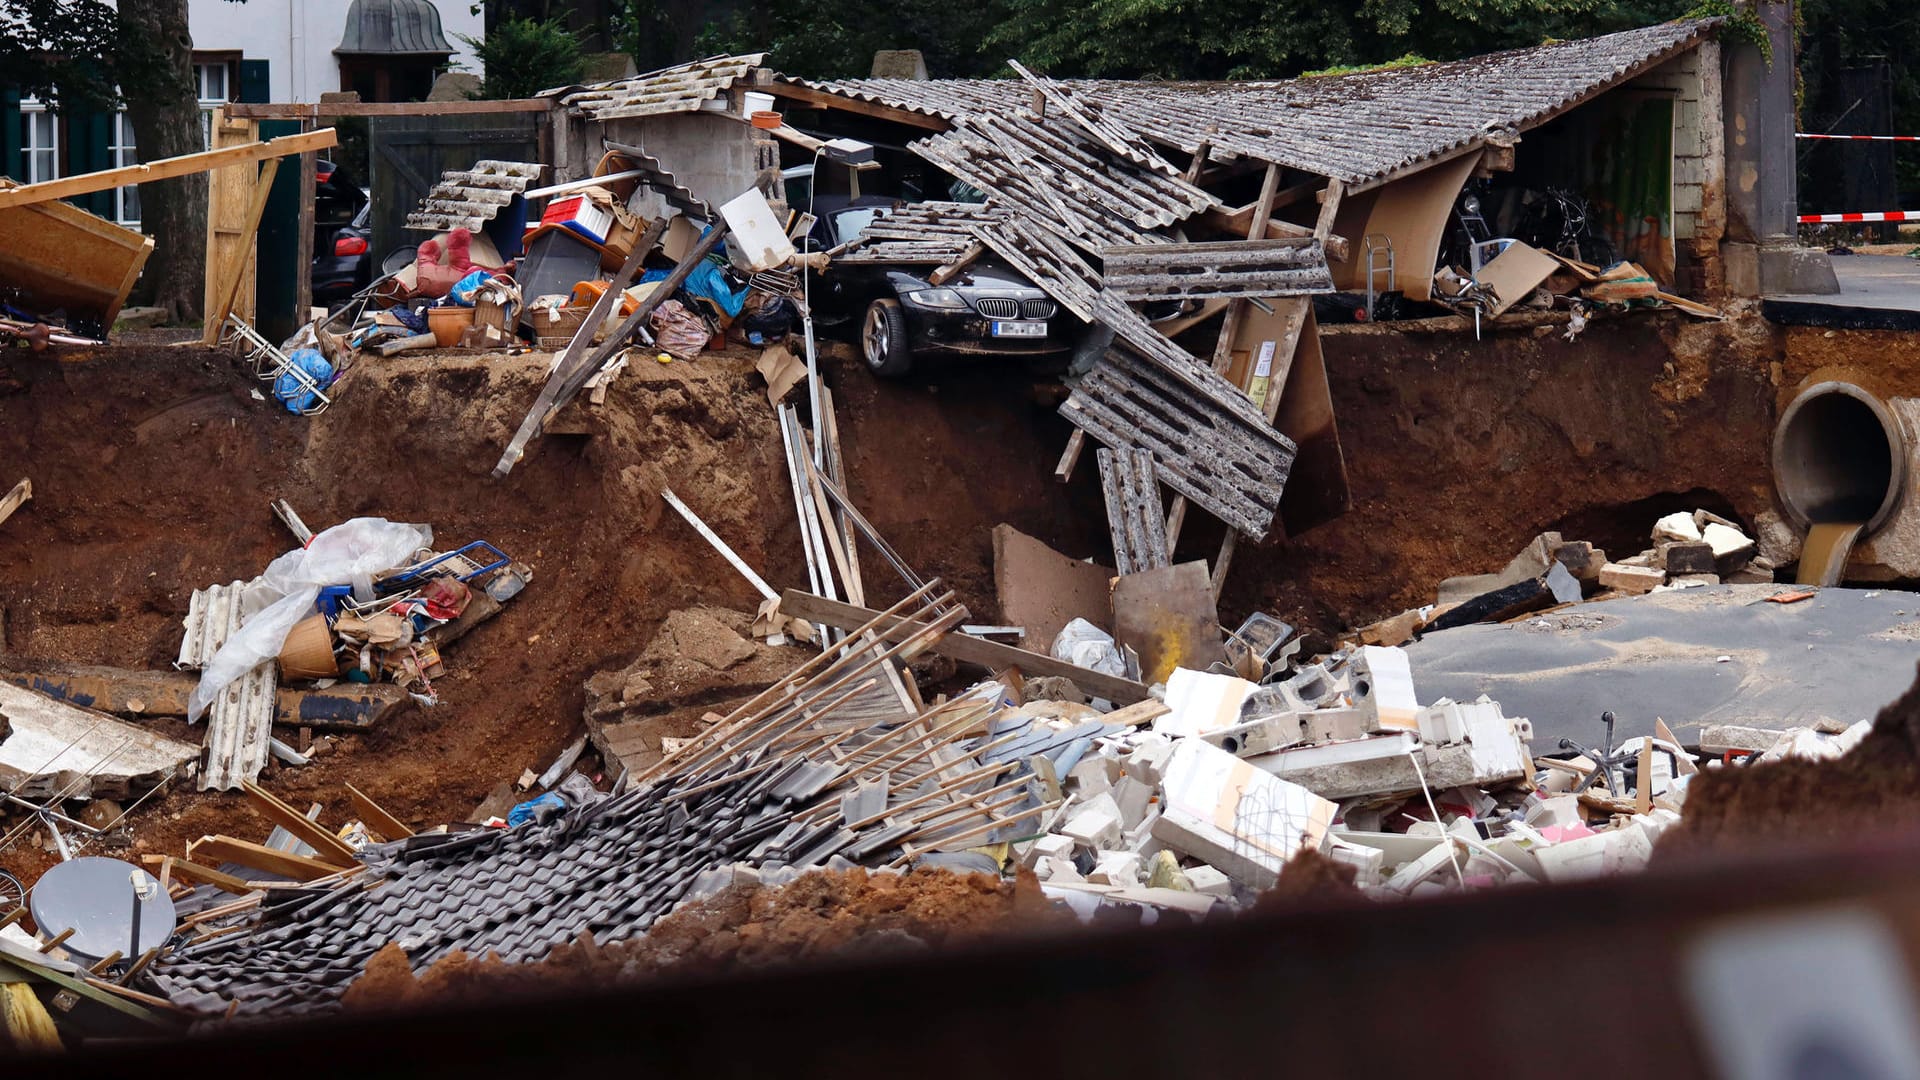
<point>1019,329</point>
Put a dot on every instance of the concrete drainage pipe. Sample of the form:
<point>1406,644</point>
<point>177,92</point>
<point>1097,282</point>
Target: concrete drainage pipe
<point>1838,456</point>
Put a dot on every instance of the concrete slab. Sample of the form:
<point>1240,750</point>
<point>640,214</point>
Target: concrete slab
<point>1841,655</point>
<point>1877,292</point>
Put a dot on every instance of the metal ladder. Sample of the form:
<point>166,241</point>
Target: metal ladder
<point>1377,249</point>
<point>269,363</point>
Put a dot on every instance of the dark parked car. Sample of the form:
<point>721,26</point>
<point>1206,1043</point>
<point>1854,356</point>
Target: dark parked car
<point>345,265</point>
<point>988,309</point>
<point>342,234</point>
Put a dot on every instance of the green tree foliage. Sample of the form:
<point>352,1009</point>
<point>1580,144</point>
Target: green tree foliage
<point>59,50</point>
<point>836,39</point>
<point>521,57</point>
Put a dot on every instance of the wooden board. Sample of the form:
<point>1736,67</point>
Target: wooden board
<point>229,192</point>
<point>1302,409</point>
<point>58,256</point>
<point>327,847</point>
<point>988,654</point>
<point>226,849</point>
<point>1041,590</point>
<point>1168,617</point>
<point>375,817</point>
<point>165,168</point>
<point>306,110</point>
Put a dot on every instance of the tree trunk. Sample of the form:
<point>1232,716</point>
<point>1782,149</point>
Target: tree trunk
<point>161,102</point>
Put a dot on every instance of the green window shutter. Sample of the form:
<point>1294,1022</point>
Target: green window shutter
<point>255,87</point>
<point>12,135</point>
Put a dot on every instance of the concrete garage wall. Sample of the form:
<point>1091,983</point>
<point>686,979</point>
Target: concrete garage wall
<point>1699,159</point>
<point>713,155</point>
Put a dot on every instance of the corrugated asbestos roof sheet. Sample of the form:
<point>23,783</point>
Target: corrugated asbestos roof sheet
<point>469,198</point>
<point>685,88</point>
<point>1354,128</point>
<point>240,721</point>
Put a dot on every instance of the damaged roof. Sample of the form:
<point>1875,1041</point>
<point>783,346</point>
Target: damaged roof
<point>1358,128</point>
<point>469,198</point>
<point>684,88</point>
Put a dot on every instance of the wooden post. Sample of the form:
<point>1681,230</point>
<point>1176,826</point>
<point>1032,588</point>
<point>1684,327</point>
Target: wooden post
<point>231,270</point>
<point>303,274</point>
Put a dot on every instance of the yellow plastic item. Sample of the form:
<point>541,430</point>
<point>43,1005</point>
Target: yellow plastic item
<point>664,358</point>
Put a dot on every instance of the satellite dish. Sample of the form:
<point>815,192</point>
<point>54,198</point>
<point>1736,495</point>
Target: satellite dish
<point>105,902</point>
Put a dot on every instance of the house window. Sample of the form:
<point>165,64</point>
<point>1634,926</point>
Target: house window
<point>126,200</point>
<point>211,83</point>
<point>40,145</point>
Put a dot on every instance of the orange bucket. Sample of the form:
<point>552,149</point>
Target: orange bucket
<point>448,323</point>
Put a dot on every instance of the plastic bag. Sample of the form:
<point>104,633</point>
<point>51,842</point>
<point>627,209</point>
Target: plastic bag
<point>285,593</point>
<point>538,810</point>
<point>771,320</point>
<point>293,393</point>
<point>679,332</point>
<point>463,290</point>
<point>1080,642</point>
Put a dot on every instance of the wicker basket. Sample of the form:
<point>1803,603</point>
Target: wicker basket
<point>551,334</point>
<point>497,313</point>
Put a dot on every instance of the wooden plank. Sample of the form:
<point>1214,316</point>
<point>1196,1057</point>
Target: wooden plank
<point>229,191</point>
<point>326,846</point>
<point>1168,617</point>
<point>21,492</point>
<point>231,271</point>
<point>303,258</point>
<point>166,168</point>
<point>988,654</point>
<point>186,870</point>
<point>821,99</point>
<point>375,817</point>
<point>947,272</point>
<point>227,849</point>
<point>307,110</point>
<point>1070,457</point>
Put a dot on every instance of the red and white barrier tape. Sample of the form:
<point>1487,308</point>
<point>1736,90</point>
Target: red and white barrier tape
<point>1837,219</point>
<point>1860,138</point>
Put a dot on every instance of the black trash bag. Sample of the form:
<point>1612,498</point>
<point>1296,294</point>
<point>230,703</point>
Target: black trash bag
<point>770,320</point>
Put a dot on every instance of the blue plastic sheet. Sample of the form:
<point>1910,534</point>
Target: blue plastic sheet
<point>707,280</point>
<point>289,389</point>
<point>529,811</point>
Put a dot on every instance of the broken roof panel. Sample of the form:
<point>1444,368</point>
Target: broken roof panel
<point>1357,128</point>
<point>683,88</point>
<point>469,198</point>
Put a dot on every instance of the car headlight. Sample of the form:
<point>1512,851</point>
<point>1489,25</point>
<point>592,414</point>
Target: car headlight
<point>937,298</point>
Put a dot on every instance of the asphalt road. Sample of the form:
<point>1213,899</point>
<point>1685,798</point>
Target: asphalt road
<point>1843,655</point>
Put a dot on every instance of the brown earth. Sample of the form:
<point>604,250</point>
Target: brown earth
<point>817,916</point>
<point>1789,804</point>
<point>153,467</point>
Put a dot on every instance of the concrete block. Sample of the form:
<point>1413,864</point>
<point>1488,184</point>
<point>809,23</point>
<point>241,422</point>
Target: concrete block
<point>1053,846</point>
<point>1631,579</point>
<point>1116,868</point>
<point>1243,821</point>
<point>1581,559</point>
<point>1140,839</point>
<point>1200,701</point>
<point>1148,761</point>
<point>1677,527</point>
<point>1437,861</point>
<point>1778,542</point>
<point>1096,824</point>
<point>1554,810</point>
<point>1728,543</point>
<point>1369,863</point>
<point>1057,871</point>
<point>1442,723</point>
<point>1382,687</point>
<point>1133,798</point>
<point>1089,776</point>
<point>1688,557</point>
<point>1331,725</point>
<point>1210,882</point>
<point>1616,851</point>
<point>1313,685</point>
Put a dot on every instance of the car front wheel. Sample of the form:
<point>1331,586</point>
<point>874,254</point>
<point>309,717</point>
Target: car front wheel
<point>883,339</point>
